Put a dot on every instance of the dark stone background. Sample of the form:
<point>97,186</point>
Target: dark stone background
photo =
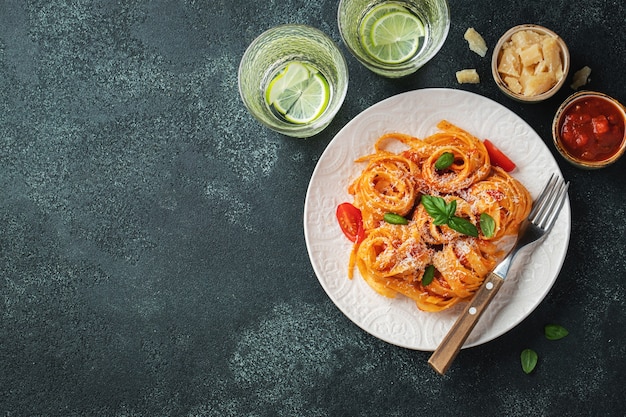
<point>152,258</point>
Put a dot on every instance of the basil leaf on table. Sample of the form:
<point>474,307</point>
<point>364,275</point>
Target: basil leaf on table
<point>555,332</point>
<point>528,359</point>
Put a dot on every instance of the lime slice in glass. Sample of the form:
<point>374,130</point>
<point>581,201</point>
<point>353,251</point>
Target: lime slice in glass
<point>294,73</point>
<point>371,17</point>
<point>394,36</point>
<point>311,99</point>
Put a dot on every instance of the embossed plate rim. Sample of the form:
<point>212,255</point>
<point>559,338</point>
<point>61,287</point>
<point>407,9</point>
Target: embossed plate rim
<point>398,321</point>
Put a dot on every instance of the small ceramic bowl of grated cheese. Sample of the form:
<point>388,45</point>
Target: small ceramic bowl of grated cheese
<point>530,63</point>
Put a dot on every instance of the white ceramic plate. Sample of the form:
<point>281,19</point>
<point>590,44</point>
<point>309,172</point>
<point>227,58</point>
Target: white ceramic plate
<point>397,320</point>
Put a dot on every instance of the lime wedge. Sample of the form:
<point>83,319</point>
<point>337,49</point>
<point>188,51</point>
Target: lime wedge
<point>311,99</point>
<point>294,73</point>
<point>394,36</point>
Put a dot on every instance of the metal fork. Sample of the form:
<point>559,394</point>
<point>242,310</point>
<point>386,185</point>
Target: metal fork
<point>542,217</point>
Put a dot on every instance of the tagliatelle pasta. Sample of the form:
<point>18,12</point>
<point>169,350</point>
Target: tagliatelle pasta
<point>394,258</point>
<point>387,184</point>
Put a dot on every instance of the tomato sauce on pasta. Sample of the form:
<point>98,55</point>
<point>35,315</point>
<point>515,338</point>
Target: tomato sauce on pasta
<point>393,258</point>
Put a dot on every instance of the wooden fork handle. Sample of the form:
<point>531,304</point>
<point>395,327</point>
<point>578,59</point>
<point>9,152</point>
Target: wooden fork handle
<point>442,357</point>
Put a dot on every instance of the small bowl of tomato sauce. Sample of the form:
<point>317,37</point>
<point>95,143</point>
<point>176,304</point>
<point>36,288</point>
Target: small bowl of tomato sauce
<point>589,129</point>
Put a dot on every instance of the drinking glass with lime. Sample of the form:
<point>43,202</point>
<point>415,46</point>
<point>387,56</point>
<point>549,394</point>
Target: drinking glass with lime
<point>293,79</point>
<point>393,38</point>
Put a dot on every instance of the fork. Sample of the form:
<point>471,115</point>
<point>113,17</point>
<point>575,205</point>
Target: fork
<point>542,217</point>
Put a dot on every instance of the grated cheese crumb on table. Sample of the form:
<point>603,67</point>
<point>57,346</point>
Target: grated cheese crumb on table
<point>476,42</point>
<point>467,76</point>
<point>581,77</point>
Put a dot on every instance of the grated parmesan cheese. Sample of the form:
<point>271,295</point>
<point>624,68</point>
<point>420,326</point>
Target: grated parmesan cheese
<point>463,248</point>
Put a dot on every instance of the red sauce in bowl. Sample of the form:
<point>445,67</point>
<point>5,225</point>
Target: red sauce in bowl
<point>592,129</point>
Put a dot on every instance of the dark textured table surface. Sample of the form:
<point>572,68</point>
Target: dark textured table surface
<point>152,256</point>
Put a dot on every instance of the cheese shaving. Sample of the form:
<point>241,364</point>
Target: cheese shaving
<point>580,78</point>
<point>467,76</point>
<point>476,42</point>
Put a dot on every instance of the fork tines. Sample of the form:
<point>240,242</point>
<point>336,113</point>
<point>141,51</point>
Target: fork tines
<point>548,205</point>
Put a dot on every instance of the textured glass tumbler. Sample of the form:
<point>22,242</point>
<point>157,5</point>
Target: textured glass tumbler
<point>434,14</point>
<point>274,49</point>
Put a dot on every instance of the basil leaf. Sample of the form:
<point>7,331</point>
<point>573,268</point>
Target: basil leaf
<point>443,213</point>
<point>429,274</point>
<point>462,225</point>
<point>529,360</point>
<point>394,218</point>
<point>487,225</point>
<point>451,208</point>
<point>434,205</point>
<point>437,208</point>
<point>440,220</point>
<point>555,332</point>
<point>444,161</point>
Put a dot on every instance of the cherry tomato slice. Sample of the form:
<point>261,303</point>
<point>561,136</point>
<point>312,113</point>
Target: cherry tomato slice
<point>498,158</point>
<point>351,222</point>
